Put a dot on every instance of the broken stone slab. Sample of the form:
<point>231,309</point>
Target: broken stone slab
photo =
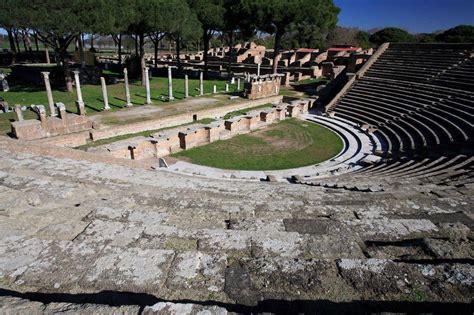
<point>271,178</point>
<point>169,308</point>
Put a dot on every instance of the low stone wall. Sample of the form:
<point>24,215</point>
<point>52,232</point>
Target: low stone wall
<point>162,144</point>
<point>32,129</point>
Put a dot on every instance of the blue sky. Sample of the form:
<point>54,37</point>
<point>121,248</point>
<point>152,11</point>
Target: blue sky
<point>417,16</point>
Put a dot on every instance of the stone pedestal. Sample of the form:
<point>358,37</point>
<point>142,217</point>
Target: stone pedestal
<point>18,113</point>
<point>41,111</point>
<point>104,93</point>
<point>49,93</point>
<point>62,113</point>
<point>170,84</point>
<point>186,86</point>
<point>147,86</point>
<point>127,88</point>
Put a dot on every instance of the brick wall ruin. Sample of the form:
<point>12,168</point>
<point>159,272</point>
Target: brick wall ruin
<point>262,86</point>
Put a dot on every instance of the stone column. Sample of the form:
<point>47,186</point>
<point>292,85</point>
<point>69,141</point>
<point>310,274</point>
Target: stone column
<point>77,79</point>
<point>287,78</point>
<point>186,86</point>
<point>104,94</point>
<point>49,93</point>
<point>127,88</point>
<point>170,84</point>
<point>258,69</point>
<point>227,87</point>
<point>18,113</point>
<point>48,61</point>
<point>238,84</point>
<point>214,89</point>
<point>147,86</point>
<point>201,83</point>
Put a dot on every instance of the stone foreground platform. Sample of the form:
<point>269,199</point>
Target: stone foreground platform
<point>73,227</point>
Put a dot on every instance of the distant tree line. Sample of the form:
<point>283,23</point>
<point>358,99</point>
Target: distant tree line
<point>339,35</point>
<point>58,24</point>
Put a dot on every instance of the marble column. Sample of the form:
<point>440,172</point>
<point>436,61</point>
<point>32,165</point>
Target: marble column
<point>186,86</point>
<point>201,83</point>
<point>104,94</point>
<point>79,101</point>
<point>49,93</point>
<point>238,84</point>
<point>227,87</point>
<point>170,84</point>
<point>18,113</point>
<point>214,89</point>
<point>127,88</point>
<point>147,86</point>
<point>258,69</point>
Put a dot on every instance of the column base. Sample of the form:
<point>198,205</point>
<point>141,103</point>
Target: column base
<point>81,110</point>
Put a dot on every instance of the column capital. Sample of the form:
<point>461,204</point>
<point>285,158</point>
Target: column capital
<point>45,73</point>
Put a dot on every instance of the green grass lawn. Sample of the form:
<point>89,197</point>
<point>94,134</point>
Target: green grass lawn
<point>92,95</point>
<point>311,81</point>
<point>244,111</point>
<point>287,144</point>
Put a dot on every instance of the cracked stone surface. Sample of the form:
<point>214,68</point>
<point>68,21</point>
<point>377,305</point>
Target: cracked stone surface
<point>77,225</point>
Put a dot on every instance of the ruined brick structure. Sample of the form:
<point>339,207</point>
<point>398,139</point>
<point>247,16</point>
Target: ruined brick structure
<point>263,86</point>
<point>62,124</point>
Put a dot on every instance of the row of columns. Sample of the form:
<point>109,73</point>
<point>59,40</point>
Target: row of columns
<point>80,102</point>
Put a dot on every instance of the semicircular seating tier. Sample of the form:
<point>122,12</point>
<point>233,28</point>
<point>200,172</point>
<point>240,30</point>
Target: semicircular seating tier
<point>418,100</point>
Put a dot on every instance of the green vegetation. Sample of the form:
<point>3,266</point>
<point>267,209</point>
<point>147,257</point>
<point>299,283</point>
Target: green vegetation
<point>287,144</point>
<point>391,34</point>
<point>311,81</point>
<point>244,111</point>
<point>458,34</point>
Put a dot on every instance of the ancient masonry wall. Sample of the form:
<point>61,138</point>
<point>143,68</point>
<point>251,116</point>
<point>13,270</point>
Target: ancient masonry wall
<point>165,143</point>
<point>77,139</point>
